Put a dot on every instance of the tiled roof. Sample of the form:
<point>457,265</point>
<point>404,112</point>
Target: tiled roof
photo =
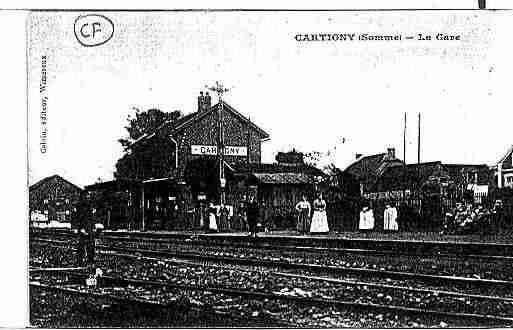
<point>56,178</point>
<point>412,174</point>
<point>373,164</point>
<point>503,158</point>
<point>276,168</point>
<point>188,119</point>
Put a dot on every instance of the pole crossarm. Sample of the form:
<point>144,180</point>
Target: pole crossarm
<point>218,88</point>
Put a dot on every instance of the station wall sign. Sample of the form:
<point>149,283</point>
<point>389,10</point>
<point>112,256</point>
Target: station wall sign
<point>212,150</point>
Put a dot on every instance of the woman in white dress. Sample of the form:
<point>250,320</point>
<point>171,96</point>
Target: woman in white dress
<point>212,222</point>
<point>319,219</point>
<point>366,219</point>
<point>390,218</point>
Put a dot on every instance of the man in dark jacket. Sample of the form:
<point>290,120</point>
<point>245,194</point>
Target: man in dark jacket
<point>85,249</point>
<point>252,214</point>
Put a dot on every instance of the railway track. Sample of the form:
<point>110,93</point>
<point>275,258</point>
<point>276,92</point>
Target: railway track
<point>417,247</point>
<point>114,294</point>
<point>301,272</point>
<point>470,265</point>
<point>389,291</point>
<point>314,268</point>
<point>119,282</point>
<point>325,279</point>
<point>501,252</point>
<point>266,245</point>
<point>232,258</point>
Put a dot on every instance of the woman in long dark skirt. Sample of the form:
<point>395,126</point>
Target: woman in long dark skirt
<point>303,220</point>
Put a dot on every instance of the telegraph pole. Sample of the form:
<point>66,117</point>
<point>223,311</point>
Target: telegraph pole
<point>404,159</point>
<point>418,142</point>
<point>220,90</point>
<point>404,139</point>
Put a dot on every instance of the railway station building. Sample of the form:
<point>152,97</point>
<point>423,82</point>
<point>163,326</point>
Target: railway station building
<point>178,174</point>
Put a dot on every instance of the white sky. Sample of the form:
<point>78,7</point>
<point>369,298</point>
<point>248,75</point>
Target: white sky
<point>306,95</point>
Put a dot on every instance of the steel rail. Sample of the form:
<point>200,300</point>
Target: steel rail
<point>323,238</point>
<point>234,241</point>
<point>312,249</point>
<point>55,244</point>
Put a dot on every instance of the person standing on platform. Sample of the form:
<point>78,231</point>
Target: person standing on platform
<point>252,214</point>
<point>212,221</point>
<point>390,218</point>
<point>366,219</point>
<point>319,219</point>
<point>91,245</point>
<point>82,248</point>
<point>303,219</point>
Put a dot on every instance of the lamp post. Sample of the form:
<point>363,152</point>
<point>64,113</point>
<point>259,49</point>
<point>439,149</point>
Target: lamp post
<point>220,90</point>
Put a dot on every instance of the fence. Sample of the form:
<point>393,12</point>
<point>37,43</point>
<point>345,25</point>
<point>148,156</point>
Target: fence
<point>421,211</point>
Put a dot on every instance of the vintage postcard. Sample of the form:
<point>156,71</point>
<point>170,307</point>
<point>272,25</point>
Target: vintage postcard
<point>270,168</point>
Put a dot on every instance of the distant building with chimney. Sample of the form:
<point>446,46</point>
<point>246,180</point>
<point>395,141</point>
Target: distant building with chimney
<point>52,199</point>
<point>368,169</point>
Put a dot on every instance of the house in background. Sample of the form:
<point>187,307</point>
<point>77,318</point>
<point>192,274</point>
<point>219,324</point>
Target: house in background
<point>503,170</point>
<point>52,199</point>
<point>424,191</point>
<point>455,181</point>
<point>368,169</point>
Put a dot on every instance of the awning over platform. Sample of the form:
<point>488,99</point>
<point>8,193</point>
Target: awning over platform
<point>284,178</point>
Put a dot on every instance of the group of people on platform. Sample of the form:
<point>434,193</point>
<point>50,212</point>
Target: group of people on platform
<point>311,217</point>
<point>389,218</point>
<point>223,213</point>
<point>318,223</point>
<point>470,219</point>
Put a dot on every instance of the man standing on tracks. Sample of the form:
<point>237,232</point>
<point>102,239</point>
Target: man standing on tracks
<point>82,220</point>
<point>86,239</point>
<point>252,214</point>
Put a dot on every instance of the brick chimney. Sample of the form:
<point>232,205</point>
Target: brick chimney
<point>208,101</point>
<point>391,153</point>
<point>201,101</point>
<point>204,102</point>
